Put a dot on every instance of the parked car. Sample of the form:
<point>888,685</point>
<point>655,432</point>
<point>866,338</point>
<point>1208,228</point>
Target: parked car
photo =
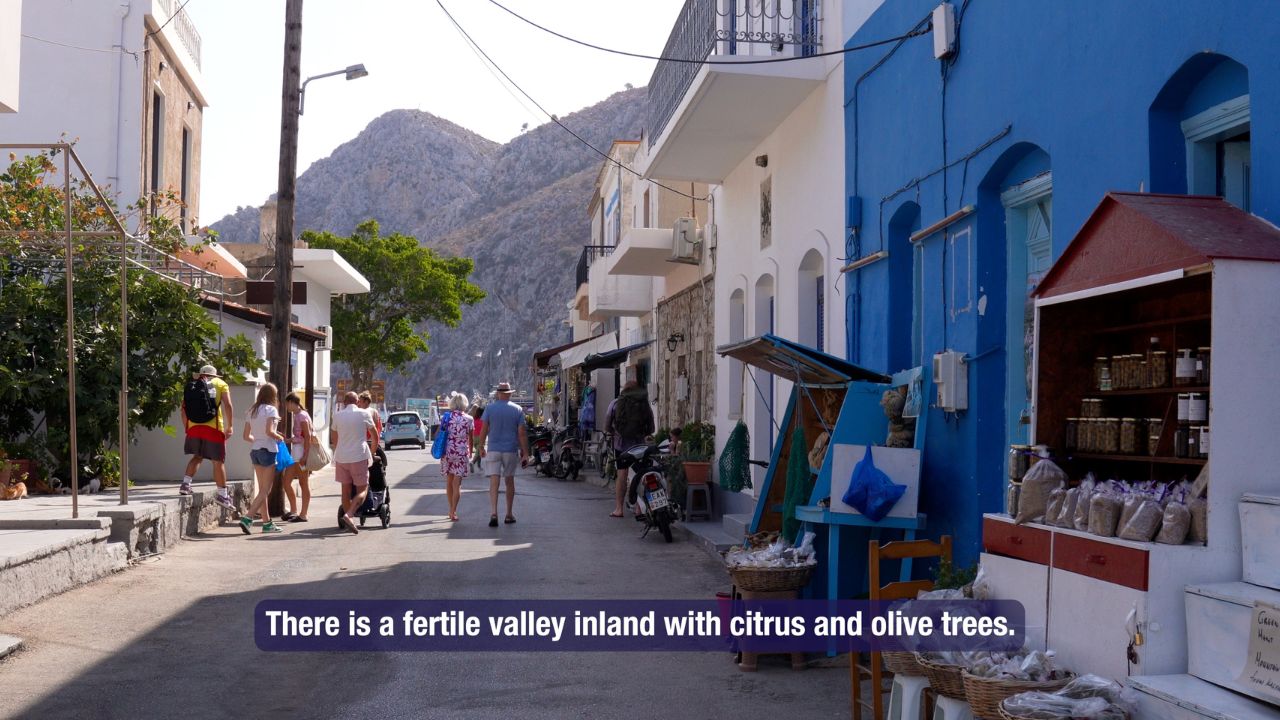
<point>404,427</point>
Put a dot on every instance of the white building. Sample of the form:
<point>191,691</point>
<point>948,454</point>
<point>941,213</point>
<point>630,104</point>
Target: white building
<point>769,138</point>
<point>10,53</point>
<point>122,80</point>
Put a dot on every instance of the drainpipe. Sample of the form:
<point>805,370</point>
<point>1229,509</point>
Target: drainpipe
<point>114,177</point>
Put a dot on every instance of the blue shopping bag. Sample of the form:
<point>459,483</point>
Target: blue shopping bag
<point>283,457</point>
<point>871,492</point>
<point>442,435</point>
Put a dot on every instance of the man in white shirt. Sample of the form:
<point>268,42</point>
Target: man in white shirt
<point>351,456</point>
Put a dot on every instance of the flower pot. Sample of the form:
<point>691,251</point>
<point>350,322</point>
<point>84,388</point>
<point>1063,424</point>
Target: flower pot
<point>697,472</point>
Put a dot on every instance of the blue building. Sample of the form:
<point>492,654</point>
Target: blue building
<point>975,171</point>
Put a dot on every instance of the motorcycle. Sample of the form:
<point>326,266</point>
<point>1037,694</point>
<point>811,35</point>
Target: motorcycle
<point>648,492</point>
<point>555,455</point>
<point>539,447</point>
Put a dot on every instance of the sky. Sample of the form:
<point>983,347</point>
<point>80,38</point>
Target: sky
<point>416,59</point>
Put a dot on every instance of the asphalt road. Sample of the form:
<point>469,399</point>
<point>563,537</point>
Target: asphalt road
<point>173,636</point>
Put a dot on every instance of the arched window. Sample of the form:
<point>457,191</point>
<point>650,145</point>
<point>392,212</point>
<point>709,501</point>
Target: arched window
<point>811,300</point>
<point>737,333</point>
<point>1200,131</point>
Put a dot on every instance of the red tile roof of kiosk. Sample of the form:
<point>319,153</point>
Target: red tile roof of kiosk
<point>1136,235</point>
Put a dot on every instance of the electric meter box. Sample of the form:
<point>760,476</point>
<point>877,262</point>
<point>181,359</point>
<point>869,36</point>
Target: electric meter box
<point>951,377</point>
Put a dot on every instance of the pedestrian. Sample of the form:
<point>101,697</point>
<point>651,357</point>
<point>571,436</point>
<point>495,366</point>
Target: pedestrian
<point>351,455</point>
<point>629,420</point>
<point>375,435</point>
<point>303,439</point>
<point>264,441</point>
<point>477,417</point>
<point>455,463</point>
<point>504,444</point>
<point>208,419</point>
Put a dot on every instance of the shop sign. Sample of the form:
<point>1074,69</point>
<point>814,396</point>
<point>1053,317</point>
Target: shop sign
<point>1262,667</point>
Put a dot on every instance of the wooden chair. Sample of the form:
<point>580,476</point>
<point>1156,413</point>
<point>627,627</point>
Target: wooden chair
<point>897,590</point>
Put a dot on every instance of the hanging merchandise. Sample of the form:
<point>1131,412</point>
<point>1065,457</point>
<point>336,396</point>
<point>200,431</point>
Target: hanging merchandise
<point>799,483</point>
<point>735,471</point>
<point>871,492</point>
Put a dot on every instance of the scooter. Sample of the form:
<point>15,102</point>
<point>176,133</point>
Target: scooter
<point>566,460</point>
<point>540,448</point>
<point>648,492</point>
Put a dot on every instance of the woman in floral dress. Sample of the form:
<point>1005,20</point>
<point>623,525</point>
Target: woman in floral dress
<point>455,464</point>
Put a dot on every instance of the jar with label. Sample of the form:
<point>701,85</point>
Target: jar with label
<point>1180,440</point>
<point>1072,433</point>
<point>1155,428</point>
<point>1197,408</point>
<point>1193,441</point>
<point>1105,381</point>
<point>1111,436</point>
<point>1184,368</point>
<point>1202,365</point>
<point>1159,369</point>
<point>1100,365</point>
<point>1204,441</point>
<point>1184,407</point>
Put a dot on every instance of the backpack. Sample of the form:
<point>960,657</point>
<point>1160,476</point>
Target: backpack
<point>200,399</point>
<point>631,417</point>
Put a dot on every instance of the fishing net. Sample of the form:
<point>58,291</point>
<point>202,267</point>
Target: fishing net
<point>799,483</point>
<point>735,472</point>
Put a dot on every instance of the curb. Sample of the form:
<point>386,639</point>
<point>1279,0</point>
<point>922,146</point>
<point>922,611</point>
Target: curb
<point>9,645</point>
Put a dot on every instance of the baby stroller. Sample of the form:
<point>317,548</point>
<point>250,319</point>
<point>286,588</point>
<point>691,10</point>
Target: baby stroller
<point>378,502</point>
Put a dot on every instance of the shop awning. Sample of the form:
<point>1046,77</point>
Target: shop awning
<point>542,358</point>
<point>599,344</point>
<point>1132,237</point>
<point>613,358</point>
<point>796,362</point>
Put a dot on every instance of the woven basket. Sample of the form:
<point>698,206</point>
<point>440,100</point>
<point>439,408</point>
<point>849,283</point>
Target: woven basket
<point>771,579</point>
<point>902,663</point>
<point>945,679</point>
<point>986,694</point>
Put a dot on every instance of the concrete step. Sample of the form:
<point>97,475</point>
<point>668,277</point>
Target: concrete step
<point>736,525</point>
<point>1184,697</point>
<point>35,564</point>
<point>1260,539</point>
<point>1219,623</point>
<point>710,536</point>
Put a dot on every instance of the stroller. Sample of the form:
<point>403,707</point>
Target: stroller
<point>378,502</point>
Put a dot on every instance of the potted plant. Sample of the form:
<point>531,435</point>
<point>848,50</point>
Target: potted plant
<point>698,439</point>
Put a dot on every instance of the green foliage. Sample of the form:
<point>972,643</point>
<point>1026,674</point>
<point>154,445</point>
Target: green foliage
<point>698,440</point>
<point>947,575</point>
<point>410,284</point>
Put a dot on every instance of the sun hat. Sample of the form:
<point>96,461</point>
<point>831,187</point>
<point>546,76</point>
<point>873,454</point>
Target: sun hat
<point>503,387</point>
<point>209,370</point>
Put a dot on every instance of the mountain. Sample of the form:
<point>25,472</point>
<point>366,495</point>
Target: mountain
<point>518,209</point>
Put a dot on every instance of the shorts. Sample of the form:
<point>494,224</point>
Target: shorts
<point>296,451</point>
<point>207,449</point>
<point>500,463</point>
<point>263,458</point>
<point>356,473</point>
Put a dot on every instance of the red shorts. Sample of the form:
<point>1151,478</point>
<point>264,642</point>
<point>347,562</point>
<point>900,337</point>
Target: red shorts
<point>356,473</point>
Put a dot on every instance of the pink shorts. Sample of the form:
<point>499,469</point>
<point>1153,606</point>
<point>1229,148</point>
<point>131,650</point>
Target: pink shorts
<point>356,473</point>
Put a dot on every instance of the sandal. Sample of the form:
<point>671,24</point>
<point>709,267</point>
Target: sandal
<point>493,521</point>
<point>289,516</point>
<point>509,519</point>
<point>298,518</point>
<point>616,515</point>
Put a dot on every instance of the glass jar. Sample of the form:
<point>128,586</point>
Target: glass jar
<point>1197,408</point>
<point>1011,496</point>
<point>1072,432</point>
<point>1019,461</point>
<point>1111,436</point>
<point>1100,365</point>
<point>1159,369</point>
<point>1128,444</point>
<point>1155,428</point>
<point>1204,441</point>
<point>1193,441</point>
<point>1181,438</point>
<point>1143,377</point>
<point>1184,407</point>
<point>1202,365</point>
<point>1184,368</point>
<point>1106,381</point>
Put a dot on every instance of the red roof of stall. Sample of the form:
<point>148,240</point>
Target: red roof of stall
<point>1135,235</point>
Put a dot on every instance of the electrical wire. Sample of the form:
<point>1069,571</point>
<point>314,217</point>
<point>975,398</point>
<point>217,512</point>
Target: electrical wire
<point>761,61</point>
<point>175,14</point>
<point>555,119</point>
<point>79,47</point>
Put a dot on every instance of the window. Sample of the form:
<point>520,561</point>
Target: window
<point>645,219</point>
<point>737,333</point>
<point>766,213</point>
<point>1029,226</point>
<point>1218,150</point>
<point>186,179</point>
<point>157,147</point>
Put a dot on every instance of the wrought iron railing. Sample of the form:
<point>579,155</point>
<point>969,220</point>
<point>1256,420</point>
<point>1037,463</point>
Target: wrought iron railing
<point>590,253</point>
<point>727,27</point>
<point>183,26</point>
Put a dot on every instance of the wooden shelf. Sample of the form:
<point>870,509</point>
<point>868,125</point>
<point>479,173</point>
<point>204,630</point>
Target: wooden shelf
<point>1172,390</point>
<point>1141,459</point>
<point>1167,322</point>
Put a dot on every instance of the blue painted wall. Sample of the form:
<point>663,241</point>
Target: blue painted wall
<point>1093,92</point>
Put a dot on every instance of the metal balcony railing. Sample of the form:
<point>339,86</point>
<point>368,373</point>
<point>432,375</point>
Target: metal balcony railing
<point>727,27</point>
<point>590,253</point>
<point>182,24</point>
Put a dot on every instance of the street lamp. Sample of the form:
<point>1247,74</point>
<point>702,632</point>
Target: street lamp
<point>353,72</point>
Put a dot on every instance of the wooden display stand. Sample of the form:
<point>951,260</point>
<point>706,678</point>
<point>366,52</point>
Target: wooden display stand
<point>749,659</point>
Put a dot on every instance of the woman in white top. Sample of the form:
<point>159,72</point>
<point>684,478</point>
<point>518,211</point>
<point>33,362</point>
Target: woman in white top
<point>263,438</point>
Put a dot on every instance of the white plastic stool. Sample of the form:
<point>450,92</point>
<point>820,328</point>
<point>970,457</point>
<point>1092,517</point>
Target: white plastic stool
<point>906,698</point>
<point>951,709</point>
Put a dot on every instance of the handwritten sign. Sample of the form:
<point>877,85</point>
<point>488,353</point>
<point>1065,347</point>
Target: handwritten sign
<point>1262,667</point>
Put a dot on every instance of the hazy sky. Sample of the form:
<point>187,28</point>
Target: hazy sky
<point>415,58</point>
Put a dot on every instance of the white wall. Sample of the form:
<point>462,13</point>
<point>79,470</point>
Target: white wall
<point>10,53</point>
<point>156,455</point>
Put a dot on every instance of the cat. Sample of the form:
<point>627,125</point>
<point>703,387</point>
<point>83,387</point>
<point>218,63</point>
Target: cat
<point>14,491</point>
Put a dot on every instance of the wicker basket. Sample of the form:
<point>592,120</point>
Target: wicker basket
<point>945,679</point>
<point>986,694</point>
<point>770,579</point>
<point>902,663</point>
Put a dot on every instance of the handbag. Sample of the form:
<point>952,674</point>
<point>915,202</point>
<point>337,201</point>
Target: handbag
<point>318,457</point>
<point>283,457</point>
<point>442,436</point>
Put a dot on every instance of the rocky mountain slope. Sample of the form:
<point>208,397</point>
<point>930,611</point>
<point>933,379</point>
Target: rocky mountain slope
<point>518,209</point>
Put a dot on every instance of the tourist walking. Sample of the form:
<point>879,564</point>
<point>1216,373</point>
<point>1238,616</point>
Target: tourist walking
<point>455,463</point>
<point>629,421</point>
<point>351,456</point>
<point>504,445</point>
<point>264,441</point>
<point>208,419</point>
<point>477,418</point>
<point>303,439</point>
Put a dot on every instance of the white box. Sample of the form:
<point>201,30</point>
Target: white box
<point>1219,621</point>
<point>1260,539</point>
<point>902,465</point>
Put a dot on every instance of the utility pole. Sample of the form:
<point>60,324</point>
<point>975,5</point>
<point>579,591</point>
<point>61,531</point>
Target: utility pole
<point>282,304</point>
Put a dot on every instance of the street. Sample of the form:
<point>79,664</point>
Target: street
<point>173,636</point>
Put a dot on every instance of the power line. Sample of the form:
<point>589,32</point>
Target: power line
<point>761,61</point>
<point>175,14</point>
<point>80,47</point>
<point>555,119</point>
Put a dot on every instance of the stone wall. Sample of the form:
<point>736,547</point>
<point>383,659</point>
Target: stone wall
<point>689,313</point>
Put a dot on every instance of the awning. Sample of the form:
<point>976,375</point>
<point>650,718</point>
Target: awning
<point>542,358</point>
<point>613,358</point>
<point>599,344</point>
<point>796,362</point>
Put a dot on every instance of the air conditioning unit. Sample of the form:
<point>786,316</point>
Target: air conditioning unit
<point>327,342</point>
<point>686,242</point>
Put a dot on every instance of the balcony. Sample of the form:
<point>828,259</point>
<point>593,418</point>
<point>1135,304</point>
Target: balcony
<point>610,295</point>
<point>643,252</point>
<point>705,118</point>
<point>182,25</point>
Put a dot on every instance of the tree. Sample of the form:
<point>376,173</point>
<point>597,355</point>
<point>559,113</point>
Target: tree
<point>410,284</point>
<point>169,332</point>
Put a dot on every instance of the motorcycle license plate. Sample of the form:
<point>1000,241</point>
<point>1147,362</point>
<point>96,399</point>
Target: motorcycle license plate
<point>657,499</point>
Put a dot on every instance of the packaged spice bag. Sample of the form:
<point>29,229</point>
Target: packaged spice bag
<point>1144,522</point>
<point>1199,509</point>
<point>1067,515</point>
<point>1175,525</point>
<point>1081,519</point>
<point>1104,513</point>
<point>1054,507</point>
<point>1042,479</point>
